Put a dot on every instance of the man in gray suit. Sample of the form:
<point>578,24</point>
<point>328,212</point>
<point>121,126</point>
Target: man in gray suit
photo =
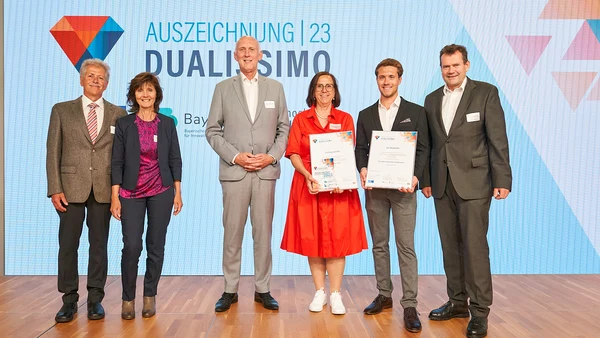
<point>469,165</point>
<point>248,128</point>
<point>79,146</point>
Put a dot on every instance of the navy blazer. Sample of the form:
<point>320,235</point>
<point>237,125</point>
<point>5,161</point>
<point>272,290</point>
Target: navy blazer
<point>125,164</point>
<point>410,117</point>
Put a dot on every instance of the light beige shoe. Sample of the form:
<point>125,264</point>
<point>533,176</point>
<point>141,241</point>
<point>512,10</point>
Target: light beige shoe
<point>128,309</point>
<point>149,308</point>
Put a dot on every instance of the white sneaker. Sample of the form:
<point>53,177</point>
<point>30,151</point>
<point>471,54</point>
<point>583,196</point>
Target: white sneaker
<point>317,303</point>
<point>337,306</point>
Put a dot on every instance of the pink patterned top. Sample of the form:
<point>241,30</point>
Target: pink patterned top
<point>149,181</point>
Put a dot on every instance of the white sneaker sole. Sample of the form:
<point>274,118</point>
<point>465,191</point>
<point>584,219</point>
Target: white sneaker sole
<point>315,309</point>
<point>338,312</point>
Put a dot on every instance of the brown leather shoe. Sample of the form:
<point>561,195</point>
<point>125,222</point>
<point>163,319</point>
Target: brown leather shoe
<point>411,320</point>
<point>128,309</point>
<point>149,307</point>
<point>381,302</point>
<point>449,311</point>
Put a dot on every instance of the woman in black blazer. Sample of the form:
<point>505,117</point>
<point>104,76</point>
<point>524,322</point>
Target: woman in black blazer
<point>146,177</point>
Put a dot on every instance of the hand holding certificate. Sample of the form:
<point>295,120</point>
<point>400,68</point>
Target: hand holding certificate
<point>332,160</point>
<point>392,160</point>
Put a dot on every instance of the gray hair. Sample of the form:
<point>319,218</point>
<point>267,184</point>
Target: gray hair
<point>97,63</point>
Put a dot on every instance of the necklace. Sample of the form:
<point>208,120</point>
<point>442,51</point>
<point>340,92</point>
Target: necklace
<point>321,116</point>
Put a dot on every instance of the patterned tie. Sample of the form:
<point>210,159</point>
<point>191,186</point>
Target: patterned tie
<point>92,122</point>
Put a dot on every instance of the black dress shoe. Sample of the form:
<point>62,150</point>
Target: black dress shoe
<point>411,320</point>
<point>66,312</point>
<point>224,303</point>
<point>95,310</point>
<point>267,300</point>
<point>477,327</point>
<point>381,302</point>
<point>449,311</point>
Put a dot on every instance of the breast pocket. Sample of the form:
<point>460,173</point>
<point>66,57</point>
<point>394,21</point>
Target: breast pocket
<point>269,112</point>
<point>472,124</point>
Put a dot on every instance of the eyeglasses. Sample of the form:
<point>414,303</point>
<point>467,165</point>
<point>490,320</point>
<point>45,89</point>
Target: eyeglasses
<point>327,87</point>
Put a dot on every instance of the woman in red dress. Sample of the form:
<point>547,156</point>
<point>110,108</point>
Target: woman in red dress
<point>328,226</point>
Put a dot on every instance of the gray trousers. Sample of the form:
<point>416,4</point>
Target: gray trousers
<point>463,227</point>
<point>379,202</point>
<point>258,195</point>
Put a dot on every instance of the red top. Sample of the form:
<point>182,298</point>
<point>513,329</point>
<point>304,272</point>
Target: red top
<point>322,225</point>
<point>149,181</point>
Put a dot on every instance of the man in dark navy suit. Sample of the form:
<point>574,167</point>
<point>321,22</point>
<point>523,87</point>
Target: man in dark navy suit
<point>393,113</point>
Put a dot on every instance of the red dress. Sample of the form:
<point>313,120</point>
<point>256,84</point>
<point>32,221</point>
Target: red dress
<point>323,225</point>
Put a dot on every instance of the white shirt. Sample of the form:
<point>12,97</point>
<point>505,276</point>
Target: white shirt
<point>99,110</point>
<point>387,116</point>
<point>450,103</point>
<point>251,93</point>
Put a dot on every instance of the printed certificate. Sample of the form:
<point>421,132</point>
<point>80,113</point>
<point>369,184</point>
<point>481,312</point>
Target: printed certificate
<point>332,160</point>
<point>391,159</point>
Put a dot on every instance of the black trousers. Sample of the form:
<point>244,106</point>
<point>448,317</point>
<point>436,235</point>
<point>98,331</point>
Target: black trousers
<point>463,226</point>
<point>69,233</point>
<point>133,213</point>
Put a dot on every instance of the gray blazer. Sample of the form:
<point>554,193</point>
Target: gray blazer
<point>73,164</point>
<point>229,129</point>
<point>475,152</point>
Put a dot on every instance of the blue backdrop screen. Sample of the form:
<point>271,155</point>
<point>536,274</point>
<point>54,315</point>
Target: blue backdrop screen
<point>544,57</point>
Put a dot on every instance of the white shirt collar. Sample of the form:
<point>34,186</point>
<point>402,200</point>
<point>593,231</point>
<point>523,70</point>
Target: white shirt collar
<point>253,80</point>
<point>86,101</point>
<point>395,103</point>
<point>461,87</point>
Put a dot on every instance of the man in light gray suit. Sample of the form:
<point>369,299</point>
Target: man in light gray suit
<point>248,128</point>
<point>469,165</point>
<point>79,146</point>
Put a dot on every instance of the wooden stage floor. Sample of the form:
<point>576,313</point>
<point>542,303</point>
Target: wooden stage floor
<point>524,306</point>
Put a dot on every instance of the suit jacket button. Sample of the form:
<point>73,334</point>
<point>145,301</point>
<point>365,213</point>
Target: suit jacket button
<point>90,168</point>
<point>93,150</point>
<point>444,161</point>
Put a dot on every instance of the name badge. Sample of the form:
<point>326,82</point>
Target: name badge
<point>155,138</point>
<point>269,104</point>
<point>112,129</point>
<point>334,126</point>
<point>473,117</point>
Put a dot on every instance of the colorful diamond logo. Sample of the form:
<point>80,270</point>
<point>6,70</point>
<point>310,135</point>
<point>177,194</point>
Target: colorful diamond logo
<point>86,37</point>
